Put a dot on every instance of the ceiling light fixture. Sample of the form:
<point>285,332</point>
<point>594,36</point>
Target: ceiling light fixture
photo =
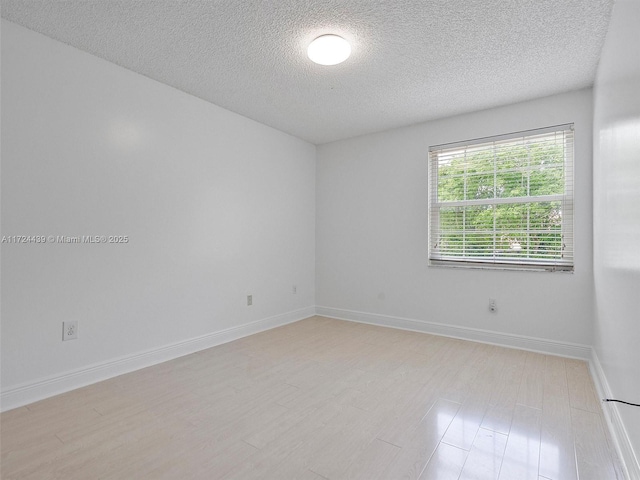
<point>329,50</point>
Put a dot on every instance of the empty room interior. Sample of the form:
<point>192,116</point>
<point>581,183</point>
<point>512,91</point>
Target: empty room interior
<point>228,253</point>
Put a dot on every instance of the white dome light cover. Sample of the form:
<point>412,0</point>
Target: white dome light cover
<point>329,50</point>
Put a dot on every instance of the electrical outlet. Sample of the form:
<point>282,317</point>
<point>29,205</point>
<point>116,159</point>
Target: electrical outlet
<point>249,300</point>
<point>294,289</point>
<point>69,330</point>
<point>492,305</point>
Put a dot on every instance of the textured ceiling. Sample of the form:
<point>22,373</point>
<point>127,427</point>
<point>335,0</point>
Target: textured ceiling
<point>411,61</point>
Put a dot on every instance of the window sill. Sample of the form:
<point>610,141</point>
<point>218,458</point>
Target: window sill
<point>504,265</point>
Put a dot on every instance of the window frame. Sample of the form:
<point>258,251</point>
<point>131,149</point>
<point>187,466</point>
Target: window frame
<point>566,198</point>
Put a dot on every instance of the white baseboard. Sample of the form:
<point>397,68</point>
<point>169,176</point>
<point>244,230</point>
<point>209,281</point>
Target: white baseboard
<point>521,342</point>
<point>621,440</point>
<point>47,387</point>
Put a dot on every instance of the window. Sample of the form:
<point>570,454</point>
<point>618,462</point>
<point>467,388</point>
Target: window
<point>503,202</point>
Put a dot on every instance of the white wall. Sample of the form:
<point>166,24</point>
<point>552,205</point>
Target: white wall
<point>216,207</point>
<point>371,231</point>
<point>617,213</point>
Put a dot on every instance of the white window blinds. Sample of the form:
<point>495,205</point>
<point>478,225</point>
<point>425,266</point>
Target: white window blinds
<point>504,201</point>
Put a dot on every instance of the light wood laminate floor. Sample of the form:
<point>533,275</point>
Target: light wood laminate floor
<point>323,399</point>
